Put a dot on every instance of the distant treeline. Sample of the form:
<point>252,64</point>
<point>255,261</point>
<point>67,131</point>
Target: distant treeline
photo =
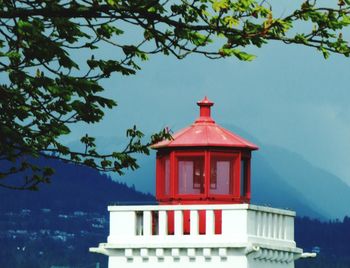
<point>331,239</point>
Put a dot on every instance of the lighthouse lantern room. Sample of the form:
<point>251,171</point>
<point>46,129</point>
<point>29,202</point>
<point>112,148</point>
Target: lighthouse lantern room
<point>203,164</point>
<point>204,217</point>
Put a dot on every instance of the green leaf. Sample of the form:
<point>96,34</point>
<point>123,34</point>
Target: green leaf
<point>300,38</point>
<point>325,52</point>
<point>231,21</point>
<point>219,5</point>
<point>346,20</point>
<point>237,53</point>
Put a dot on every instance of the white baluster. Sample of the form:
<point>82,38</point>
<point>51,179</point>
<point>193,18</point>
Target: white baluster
<point>275,226</point>
<point>258,223</point>
<point>178,222</point>
<point>280,227</point>
<point>210,222</point>
<point>147,223</point>
<point>270,225</point>
<point>163,223</point>
<point>284,229</point>
<point>194,220</point>
<point>263,224</point>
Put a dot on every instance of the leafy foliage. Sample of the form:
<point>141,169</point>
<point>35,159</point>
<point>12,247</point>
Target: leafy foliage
<point>45,89</point>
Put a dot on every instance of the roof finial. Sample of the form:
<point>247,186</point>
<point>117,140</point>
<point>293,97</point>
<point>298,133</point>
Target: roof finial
<point>204,111</point>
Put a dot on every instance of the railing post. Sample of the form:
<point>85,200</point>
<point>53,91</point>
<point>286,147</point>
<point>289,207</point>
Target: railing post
<point>280,227</point>
<point>194,220</point>
<point>122,223</point>
<point>275,226</point>
<point>258,223</point>
<point>210,222</point>
<point>269,225</point>
<point>178,222</point>
<point>264,224</point>
<point>163,226</point>
<point>147,223</point>
<point>289,223</point>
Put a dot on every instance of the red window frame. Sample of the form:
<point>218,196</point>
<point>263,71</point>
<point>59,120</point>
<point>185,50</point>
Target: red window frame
<point>234,158</point>
<point>160,177</point>
<point>246,158</point>
<point>189,155</point>
<point>174,156</point>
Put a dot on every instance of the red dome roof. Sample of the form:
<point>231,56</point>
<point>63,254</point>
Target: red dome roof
<point>205,132</point>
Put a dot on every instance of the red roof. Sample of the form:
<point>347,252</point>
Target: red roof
<point>205,132</point>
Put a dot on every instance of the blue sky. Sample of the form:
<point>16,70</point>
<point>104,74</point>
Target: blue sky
<point>289,96</point>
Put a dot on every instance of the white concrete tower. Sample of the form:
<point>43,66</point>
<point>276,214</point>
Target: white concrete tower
<point>204,217</point>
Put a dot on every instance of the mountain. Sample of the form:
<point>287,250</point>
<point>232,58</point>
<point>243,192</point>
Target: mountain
<point>268,188</point>
<point>324,192</point>
<point>143,178</point>
<point>72,188</point>
<point>280,178</point>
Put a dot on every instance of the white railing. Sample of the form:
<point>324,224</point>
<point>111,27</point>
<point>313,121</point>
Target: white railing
<point>272,225</point>
<point>236,223</point>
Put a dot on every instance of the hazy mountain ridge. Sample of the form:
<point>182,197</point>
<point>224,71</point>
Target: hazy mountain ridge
<point>72,188</point>
<point>324,192</point>
<point>280,178</point>
<point>268,188</point>
<point>311,191</point>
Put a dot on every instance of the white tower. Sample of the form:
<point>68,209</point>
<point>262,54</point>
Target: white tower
<point>204,218</point>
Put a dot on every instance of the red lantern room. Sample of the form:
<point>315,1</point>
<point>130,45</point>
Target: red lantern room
<point>203,163</point>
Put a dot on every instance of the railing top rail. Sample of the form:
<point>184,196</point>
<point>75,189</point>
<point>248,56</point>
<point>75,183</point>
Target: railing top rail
<point>134,203</point>
<point>201,207</point>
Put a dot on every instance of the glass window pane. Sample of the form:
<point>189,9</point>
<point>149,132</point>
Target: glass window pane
<point>191,175</point>
<point>221,176</point>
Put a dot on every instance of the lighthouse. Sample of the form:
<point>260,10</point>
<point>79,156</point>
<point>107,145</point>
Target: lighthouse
<point>204,217</point>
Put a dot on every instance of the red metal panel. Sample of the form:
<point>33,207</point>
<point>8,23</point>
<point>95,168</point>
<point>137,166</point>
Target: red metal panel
<point>237,177</point>
<point>186,223</point>
<point>248,189</point>
<point>218,221</point>
<point>202,220</point>
<point>159,175</point>
<point>170,217</point>
<point>207,172</point>
<point>172,175</point>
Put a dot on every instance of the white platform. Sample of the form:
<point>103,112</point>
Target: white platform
<point>252,236</point>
